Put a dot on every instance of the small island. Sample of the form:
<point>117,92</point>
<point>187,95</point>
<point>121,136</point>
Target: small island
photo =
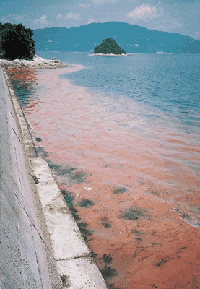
<point>109,46</point>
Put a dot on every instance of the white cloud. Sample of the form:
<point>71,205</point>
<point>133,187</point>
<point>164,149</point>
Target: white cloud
<point>92,21</point>
<point>71,15</point>
<point>103,1</point>
<point>58,16</point>
<point>16,17</point>
<point>42,21</point>
<point>84,5</point>
<point>143,12</point>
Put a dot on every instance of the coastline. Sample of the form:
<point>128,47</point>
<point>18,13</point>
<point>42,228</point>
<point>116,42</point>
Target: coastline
<point>111,54</point>
<point>36,63</point>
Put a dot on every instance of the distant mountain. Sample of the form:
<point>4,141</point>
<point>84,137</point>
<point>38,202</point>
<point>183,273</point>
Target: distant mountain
<point>131,38</point>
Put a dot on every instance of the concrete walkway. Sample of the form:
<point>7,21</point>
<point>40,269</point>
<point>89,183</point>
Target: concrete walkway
<point>41,244</point>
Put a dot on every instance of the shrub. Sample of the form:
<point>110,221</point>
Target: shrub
<point>16,42</point>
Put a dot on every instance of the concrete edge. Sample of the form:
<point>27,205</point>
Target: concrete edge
<point>62,238</point>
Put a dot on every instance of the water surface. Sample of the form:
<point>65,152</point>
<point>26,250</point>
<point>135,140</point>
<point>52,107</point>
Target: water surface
<point>121,135</point>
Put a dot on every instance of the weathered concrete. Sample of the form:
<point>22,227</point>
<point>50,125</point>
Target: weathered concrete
<point>40,239</point>
<point>27,258</point>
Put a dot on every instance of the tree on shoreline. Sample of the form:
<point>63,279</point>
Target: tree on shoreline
<point>16,42</point>
<point>109,45</point>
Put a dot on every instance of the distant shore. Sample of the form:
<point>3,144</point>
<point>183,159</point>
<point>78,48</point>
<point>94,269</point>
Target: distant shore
<point>110,54</point>
<point>37,62</point>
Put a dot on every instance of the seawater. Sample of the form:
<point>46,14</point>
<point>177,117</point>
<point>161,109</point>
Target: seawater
<point>156,92</point>
<point>166,87</point>
<point>121,135</point>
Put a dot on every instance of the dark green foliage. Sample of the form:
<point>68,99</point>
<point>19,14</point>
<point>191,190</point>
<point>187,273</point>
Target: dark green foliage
<point>109,45</point>
<point>16,42</point>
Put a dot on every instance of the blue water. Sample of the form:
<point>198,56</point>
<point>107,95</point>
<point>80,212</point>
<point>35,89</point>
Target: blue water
<point>167,85</point>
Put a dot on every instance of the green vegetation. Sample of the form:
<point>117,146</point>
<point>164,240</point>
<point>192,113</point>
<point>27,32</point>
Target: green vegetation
<point>16,42</point>
<point>109,46</point>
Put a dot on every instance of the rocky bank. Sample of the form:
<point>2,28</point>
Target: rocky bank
<point>37,62</point>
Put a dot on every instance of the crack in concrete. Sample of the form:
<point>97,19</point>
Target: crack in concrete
<point>84,256</point>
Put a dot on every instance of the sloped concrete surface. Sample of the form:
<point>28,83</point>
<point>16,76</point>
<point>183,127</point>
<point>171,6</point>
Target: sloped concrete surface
<point>66,237</point>
<point>24,262</point>
<point>85,269</point>
<point>42,245</point>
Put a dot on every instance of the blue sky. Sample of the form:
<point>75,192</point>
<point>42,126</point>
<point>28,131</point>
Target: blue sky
<point>181,16</point>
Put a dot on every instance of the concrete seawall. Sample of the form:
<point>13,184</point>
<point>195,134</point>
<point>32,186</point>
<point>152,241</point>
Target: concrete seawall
<point>41,244</point>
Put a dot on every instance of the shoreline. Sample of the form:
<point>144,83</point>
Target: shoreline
<point>110,54</point>
<point>36,63</point>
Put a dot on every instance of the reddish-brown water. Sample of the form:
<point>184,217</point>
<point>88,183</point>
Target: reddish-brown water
<point>135,190</point>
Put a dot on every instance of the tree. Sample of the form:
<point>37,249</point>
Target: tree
<point>16,42</point>
<point>109,46</point>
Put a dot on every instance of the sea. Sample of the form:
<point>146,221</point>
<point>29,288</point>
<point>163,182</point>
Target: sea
<point>122,137</point>
<point>164,87</point>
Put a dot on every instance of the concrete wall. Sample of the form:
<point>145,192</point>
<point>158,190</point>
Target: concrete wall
<point>41,244</point>
<point>24,260</point>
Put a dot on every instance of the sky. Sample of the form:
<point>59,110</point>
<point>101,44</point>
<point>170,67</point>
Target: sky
<point>180,16</point>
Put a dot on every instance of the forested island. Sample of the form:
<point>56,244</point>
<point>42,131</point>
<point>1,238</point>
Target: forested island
<point>109,46</point>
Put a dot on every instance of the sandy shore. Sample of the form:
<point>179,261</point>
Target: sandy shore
<point>37,62</point>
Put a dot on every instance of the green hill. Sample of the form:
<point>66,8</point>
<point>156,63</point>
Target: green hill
<point>109,46</point>
<point>131,38</point>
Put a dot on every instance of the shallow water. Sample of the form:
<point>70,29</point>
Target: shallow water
<point>131,181</point>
